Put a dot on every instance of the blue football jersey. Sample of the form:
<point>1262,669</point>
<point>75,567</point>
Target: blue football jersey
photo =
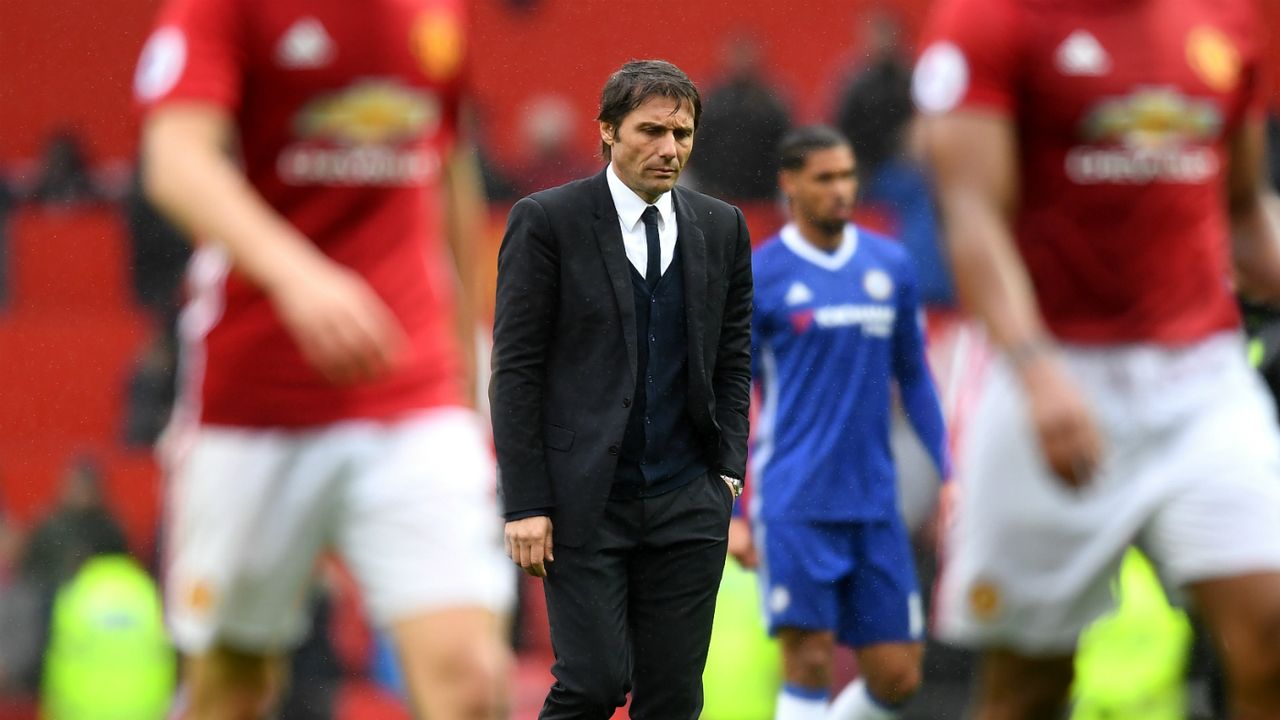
<point>832,333</point>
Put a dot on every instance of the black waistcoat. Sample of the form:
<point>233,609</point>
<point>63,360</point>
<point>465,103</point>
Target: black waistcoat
<point>660,450</point>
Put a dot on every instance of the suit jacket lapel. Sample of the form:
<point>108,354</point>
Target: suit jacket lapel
<point>692,246</point>
<point>609,236</point>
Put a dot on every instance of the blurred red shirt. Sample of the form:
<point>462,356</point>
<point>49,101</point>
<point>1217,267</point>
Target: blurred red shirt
<point>1124,110</point>
<point>346,112</point>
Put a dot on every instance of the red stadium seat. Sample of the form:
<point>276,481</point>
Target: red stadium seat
<point>68,261</point>
<point>68,339</point>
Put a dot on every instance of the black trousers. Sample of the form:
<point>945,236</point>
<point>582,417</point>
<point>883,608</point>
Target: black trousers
<point>631,610</point>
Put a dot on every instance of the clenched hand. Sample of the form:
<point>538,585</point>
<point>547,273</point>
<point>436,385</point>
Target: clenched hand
<point>529,544</point>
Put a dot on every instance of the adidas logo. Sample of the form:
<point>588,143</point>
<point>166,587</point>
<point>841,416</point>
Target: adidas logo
<point>799,294</point>
<point>305,45</point>
<point>1081,54</point>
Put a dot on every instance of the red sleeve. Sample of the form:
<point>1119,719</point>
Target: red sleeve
<point>196,52</point>
<point>969,57</point>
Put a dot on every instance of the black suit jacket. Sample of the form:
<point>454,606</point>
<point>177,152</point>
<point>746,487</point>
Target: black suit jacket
<point>564,346</point>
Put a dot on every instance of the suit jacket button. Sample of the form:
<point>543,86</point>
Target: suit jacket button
<point>613,449</point>
<point>626,402</point>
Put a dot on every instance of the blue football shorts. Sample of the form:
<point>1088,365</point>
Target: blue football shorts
<point>856,579</point>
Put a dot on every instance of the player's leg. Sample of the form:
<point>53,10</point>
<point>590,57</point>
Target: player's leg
<point>1243,614</point>
<point>454,663</point>
<point>1012,686</point>
<point>1218,533</point>
<point>244,528</point>
<point>1027,561</point>
<point>802,565</point>
<point>808,659</point>
<point>420,531</point>
<point>890,678</point>
<point>882,618</point>
<point>227,684</point>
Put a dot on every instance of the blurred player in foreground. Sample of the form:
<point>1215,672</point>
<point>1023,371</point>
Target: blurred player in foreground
<point>313,149</point>
<point>836,326</point>
<point>1100,165</point>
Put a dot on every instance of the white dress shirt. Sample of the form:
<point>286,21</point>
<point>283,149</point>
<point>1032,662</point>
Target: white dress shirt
<point>630,207</point>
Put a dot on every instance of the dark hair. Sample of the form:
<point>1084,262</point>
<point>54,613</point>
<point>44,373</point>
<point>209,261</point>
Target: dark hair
<point>795,146</point>
<point>637,81</point>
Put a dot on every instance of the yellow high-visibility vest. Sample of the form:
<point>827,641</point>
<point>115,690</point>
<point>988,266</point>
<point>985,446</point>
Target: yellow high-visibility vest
<point>1132,664</point>
<point>109,656</point>
<point>744,666</point>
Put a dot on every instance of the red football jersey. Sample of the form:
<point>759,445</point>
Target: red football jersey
<point>1124,110</point>
<point>345,112</point>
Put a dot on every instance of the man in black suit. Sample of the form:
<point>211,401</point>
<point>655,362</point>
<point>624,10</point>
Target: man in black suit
<point>621,381</point>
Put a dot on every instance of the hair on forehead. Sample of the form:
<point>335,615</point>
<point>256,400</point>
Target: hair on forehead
<point>796,146</point>
<point>637,81</point>
<point>677,106</point>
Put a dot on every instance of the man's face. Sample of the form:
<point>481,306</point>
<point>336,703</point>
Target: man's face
<point>823,190</point>
<point>651,145</point>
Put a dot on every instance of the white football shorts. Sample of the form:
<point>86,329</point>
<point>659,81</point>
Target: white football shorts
<point>408,505</point>
<point>1191,474</point>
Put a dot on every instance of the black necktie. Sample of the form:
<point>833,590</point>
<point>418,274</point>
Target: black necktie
<point>654,271</point>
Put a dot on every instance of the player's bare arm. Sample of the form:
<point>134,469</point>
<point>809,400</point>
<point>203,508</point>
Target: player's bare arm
<point>975,157</point>
<point>341,326</point>
<point>1255,217</point>
<point>464,230</point>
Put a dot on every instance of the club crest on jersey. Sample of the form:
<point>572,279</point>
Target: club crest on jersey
<point>1081,54</point>
<point>305,45</point>
<point>439,44</point>
<point>799,294</point>
<point>1213,57</point>
<point>878,284</point>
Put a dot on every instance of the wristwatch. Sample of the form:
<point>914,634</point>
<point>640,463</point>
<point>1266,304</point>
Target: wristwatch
<point>735,484</point>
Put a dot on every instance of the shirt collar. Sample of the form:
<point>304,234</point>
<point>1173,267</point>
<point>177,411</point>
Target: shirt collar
<point>631,206</point>
<point>830,261</point>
